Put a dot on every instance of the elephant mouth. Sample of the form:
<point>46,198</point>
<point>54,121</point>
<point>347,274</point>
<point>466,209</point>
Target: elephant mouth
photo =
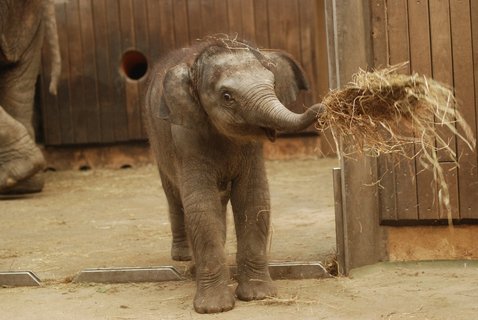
<point>270,133</point>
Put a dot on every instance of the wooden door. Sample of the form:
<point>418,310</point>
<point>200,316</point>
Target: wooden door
<point>440,39</point>
<point>381,204</point>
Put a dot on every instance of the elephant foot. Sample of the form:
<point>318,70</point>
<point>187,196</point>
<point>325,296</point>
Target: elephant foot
<point>19,161</point>
<point>213,299</point>
<point>256,289</point>
<point>181,252</point>
<point>30,185</point>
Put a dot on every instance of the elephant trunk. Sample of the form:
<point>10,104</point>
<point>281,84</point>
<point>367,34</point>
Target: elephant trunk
<point>268,112</point>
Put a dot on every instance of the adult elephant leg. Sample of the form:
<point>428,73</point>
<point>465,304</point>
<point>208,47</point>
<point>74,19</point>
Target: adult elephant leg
<point>180,250</point>
<point>251,206</point>
<point>20,158</point>
<point>206,227</point>
<point>17,84</point>
<point>17,91</point>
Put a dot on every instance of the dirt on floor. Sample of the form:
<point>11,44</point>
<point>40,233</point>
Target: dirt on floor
<point>118,218</point>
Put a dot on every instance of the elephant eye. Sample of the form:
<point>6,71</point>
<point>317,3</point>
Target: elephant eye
<point>227,96</point>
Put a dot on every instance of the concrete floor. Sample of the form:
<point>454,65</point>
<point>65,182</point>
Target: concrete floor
<point>116,218</point>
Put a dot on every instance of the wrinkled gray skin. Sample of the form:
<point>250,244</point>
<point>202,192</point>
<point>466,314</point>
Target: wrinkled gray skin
<point>23,25</point>
<point>208,109</point>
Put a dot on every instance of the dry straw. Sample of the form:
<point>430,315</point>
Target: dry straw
<point>387,112</point>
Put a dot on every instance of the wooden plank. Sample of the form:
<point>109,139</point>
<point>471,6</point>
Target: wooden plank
<point>131,87</point>
<point>214,17</point>
<point>234,16</point>
<point>284,26</point>
<point>397,26</point>
<point>404,170</point>
<point>307,12</point>
<point>450,171</point>
<point>105,90</point>
<point>327,67</point>
<point>241,19</point>
<point>54,108</point>
<point>126,24</point>
<point>474,23</point>
<point>90,108</point>
<point>166,27</point>
<point>248,21</point>
<point>379,33</point>
<point>385,165</point>
<point>119,119</point>
<point>387,189</point>
<point>76,71</point>
<point>321,69</point>
<point>195,20</point>
<point>332,45</point>
<point>442,69</point>
<point>465,92</point>
<point>154,29</point>
<point>284,22</point>
<point>64,85</point>
<point>440,34</point>
<point>181,24</point>
<point>261,18</point>
<point>420,61</point>
<point>142,45</point>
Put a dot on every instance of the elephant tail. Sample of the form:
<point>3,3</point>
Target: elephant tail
<point>53,44</point>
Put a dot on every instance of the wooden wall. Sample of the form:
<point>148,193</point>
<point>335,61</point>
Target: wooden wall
<point>375,198</point>
<point>440,39</point>
<point>97,103</point>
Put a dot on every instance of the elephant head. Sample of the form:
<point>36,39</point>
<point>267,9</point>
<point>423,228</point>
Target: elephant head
<point>240,90</point>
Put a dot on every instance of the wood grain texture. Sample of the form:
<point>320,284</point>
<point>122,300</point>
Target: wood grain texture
<point>437,37</point>
<point>463,67</point>
<point>103,106</point>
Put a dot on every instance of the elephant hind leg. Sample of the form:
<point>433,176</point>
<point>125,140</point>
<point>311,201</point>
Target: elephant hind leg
<point>180,250</point>
<point>20,158</point>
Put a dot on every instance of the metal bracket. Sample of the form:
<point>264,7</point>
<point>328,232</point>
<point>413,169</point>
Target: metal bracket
<point>293,270</point>
<point>125,275</point>
<point>19,279</point>
<point>297,270</point>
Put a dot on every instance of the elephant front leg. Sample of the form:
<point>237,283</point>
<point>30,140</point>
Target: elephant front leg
<point>20,158</point>
<point>17,91</point>
<point>251,206</point>
<point>206,227</point>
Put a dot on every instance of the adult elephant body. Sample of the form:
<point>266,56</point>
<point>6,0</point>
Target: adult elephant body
<point>208,109</point>
<point>23,26</point>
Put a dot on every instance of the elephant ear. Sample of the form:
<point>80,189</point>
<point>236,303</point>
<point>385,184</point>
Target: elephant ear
<point>179,105</point>
<point>289,76</point>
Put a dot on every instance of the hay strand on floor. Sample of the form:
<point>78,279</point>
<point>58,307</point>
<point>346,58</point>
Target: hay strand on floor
<point>386,112</point>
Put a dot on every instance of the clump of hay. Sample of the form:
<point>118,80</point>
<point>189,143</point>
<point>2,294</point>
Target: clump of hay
<point>386,112</point>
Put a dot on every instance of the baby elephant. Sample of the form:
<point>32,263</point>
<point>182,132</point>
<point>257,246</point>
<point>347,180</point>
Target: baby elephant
<point>208,108</point>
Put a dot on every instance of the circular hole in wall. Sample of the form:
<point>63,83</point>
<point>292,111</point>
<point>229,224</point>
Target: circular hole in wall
<point>84,167</point>
<point>134,64</point>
